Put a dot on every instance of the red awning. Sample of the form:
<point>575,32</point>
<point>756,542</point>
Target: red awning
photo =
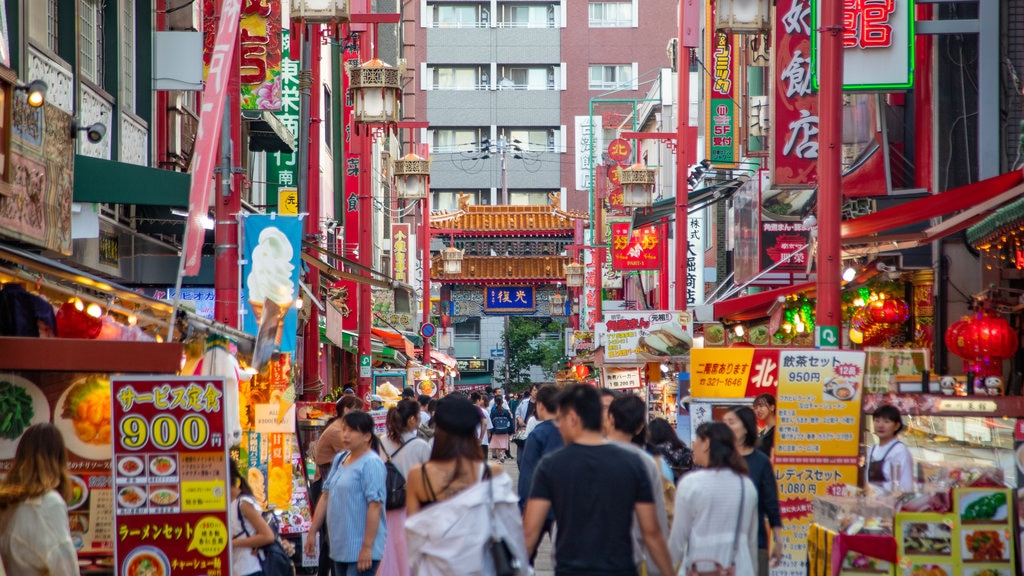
<point>977,200</point>
<point>755,306</point>
<point>444,359</point>
<point>394,340</point>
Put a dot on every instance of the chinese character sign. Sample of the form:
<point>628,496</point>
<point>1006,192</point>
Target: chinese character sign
<point>170,476</point>
<point>281,166</point>
<point>638,251</point>
<point>733,372</point>
<point>260,43</point>
<point>400,252</point>
<point>695,259</point>
<point>589,142</point>
<point>720,94</point>
<point>509,299</point>
<point>352,157</point>
<point>817,440</point>
<point>795,105</point>
<point>637,337</point>
<point>878,44</point>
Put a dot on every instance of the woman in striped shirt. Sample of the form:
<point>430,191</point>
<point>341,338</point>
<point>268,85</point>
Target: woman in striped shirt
<point>353,501</point>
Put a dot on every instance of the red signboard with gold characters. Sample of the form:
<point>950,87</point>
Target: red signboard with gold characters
<point>638,251</point>
<point>170,476</point>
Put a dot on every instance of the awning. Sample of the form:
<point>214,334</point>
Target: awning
<point>394,340</point>
<point>110,182</point>
<point>753,306</point>
<point>378,351</point>
<point>267,133</point>
<point>977,201</point>
<point>444,360</point>
<point>695,200</point>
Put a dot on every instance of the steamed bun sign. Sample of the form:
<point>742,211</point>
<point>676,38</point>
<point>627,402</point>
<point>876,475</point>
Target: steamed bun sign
<point>639,337</point>
<point>170,476</point>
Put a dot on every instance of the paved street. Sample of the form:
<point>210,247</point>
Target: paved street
<point>543,564</point>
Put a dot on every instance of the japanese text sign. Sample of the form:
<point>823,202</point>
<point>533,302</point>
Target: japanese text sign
<point>878,44</point>
<point>619,150</point>
<point>622,378</point>
<point>720,94</point>
<point>795,106</point>
<point>281,166</point>
<point>638,251</point>
<point>509,299</point>
<point>400,252</point>
<point>817,440</point>
<point>352,164</point>
<point>733,372</point>
<point>695,246</point>
<point>170,475</point>
<point>639,337</point>
<point>260,43</point>
<point>588,142</point>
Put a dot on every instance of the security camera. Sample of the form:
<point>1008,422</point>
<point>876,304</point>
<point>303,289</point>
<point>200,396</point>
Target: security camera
<point>93,133</point>
<point>883,267</point>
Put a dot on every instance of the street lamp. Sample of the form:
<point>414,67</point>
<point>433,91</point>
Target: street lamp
<point>376,90</point>
<point>451,261</point>
<point>637,183</point>
<point>574,275</point>
<point>321,11</point>
<point>557,304</point>
<point>411,177</point>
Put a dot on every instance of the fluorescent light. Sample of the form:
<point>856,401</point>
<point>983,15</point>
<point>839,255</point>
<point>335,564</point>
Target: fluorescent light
<point>179,213</point>
<point>207,222</point>
<point>849,274</point>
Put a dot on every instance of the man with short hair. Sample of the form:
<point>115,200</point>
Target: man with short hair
<point>423,400</point>
<point>544,439</point>
<point>482,431</point>
<point>594,489</point>
<point>623,421</point>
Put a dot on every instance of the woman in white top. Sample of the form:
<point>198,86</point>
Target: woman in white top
<point>716,507</point>
<point>403,448</point>
<point>249,531</point>
<point>890,464</point>
<point>35,537</point>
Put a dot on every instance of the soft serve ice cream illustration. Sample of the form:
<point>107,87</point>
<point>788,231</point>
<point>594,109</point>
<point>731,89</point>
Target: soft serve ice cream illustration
<point>271,275</point>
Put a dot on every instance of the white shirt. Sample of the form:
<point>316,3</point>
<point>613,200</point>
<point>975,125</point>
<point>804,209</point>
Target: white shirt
<point>417,451</point>
<point>707,505</point>
<point>895,452</point>
<point>522,409</point>
<point>243,559</point>
<point>424,417</point>
<point>35,538</point>
<point>485,417</point>
<point>531,424</point>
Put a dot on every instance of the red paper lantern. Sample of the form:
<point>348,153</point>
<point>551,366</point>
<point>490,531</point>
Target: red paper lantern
<point>954,338</point>
<point>889,311</point>
<point>74,322</point>
<point>581,371</point>
<point>989,337</point>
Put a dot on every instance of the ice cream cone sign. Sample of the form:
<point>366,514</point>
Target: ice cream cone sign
<point>285,400</point>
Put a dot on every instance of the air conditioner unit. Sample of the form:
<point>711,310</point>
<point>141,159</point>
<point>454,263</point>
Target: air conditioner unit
<point>757,115</point>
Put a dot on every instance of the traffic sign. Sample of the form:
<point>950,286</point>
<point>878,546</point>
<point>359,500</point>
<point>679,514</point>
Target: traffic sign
<point>826,337</point>
<point>365,369</point>
<point>427,330</point>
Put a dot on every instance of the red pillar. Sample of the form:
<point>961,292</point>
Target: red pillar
<point>226,212</point>
<point>923,133</point>
<point>425,245</point>
<point>682,152</point>
<point>311,344</point>
<point>830,109</point>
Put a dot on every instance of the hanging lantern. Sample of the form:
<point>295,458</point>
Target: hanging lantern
<point>989,337</point>
<point>574,275</point>
<point>557,304</point>
<point>954,338</point>
<point>637,183</point>
<point>73,321</point>
<point>888,311</point>
<point>451,261</point>
<point>581,371</point>
<point>320,11</point>
<point>860,320</point>
<point>411,177</point>
<point>376,90</point>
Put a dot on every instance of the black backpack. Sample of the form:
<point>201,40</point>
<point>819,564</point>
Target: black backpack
<point>394,484</point>
<point>274,561</point>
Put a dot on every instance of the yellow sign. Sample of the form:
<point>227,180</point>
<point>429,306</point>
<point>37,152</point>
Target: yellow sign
<point>288,201</point>
<point>203,495</point>
<point>720,372</point>
<point>210,537</point>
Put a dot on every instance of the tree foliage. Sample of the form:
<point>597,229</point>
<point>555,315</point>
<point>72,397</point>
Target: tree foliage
<point>524,349</point>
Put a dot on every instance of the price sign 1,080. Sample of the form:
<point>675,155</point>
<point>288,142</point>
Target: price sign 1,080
<point>164,431</point>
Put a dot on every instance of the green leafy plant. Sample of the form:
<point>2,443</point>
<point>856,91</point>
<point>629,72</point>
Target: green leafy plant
<point>525,348</point>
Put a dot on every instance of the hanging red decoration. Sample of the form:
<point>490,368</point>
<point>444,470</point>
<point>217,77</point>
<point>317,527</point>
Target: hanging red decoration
<point>581,371</point>
<point>888,311</point>
<point>74,322</point>
<point>860,320</point>
<point>989,337</point>
<point>954,338</point>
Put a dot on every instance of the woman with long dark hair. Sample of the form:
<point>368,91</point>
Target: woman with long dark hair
<point>743,423</point>
<point>663,441</point>
<point>35,538</point>
<point>401,446</point>
<point>716,507</point>
<point>764,409</point>
<point>353,501</point>
<point>249,531</point>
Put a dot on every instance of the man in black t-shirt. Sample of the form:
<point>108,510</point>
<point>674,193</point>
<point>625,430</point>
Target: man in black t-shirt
<point>594,488</point>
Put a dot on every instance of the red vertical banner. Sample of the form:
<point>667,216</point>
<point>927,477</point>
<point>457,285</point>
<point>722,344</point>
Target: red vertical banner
<point>794,110</point>
<point>170,476</point>
<point>260,43</point>
<point>350,57</point>
<point>400,252</point>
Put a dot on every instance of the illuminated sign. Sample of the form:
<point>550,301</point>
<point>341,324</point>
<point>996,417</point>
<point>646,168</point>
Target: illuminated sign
<point>878,44</point>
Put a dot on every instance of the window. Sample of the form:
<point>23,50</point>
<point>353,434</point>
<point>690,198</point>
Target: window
<point>127,37</point>
<point>528,197</point>
<point>461,16</point>
<point>610,77</point>
<point>456,139</point>
<point>459,78</point>
<point>530,139</point>
<point>327,124</point>
<point>42,23</point>
<point>611,14</point>
<point>527,16</point>
<point>526,78</point>
<point>449,199</point>
<point>90,40</point>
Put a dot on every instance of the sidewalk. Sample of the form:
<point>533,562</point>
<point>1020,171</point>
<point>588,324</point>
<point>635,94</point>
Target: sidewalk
<point>542,565</point>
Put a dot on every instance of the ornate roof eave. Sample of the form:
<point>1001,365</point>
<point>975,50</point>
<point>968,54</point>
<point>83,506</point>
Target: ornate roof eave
<point>503,269</point>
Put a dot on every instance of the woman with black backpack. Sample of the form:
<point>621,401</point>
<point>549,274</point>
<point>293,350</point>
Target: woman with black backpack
<point>504,424</point>
<point>249,531</point>
<point>401,449</point>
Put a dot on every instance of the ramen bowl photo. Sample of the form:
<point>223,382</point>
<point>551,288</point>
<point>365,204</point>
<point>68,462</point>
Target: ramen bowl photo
<point>146,561</point>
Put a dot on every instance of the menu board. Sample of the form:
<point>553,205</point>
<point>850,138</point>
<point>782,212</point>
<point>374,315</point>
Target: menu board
<point>976,539</point>
<point>170,476</point>
<point>817,443</point>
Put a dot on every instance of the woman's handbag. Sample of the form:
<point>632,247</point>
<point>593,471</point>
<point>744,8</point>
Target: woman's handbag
<point>505,563</point>
<point>701,567</point>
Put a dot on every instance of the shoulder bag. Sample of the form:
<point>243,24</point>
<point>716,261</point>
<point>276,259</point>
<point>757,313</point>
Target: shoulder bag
<point>703,567</point>
<point>505,562</point>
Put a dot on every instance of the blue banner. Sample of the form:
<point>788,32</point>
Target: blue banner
<point>509,299</point>
<point>270,276</point>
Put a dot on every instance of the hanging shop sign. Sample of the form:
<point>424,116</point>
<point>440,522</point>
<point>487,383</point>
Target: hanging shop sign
<point>733,372</point>
<point>281,166</point>
<point>589,142</point>
<point>260,43</point>
<point>509,299</point>
<point>270,282</point>
<point>201,300</point>
<point>636,251</point>
<point>794,107</point>
<point>475,366</point>
<point>621,378</point>
<point>878,45</point>
<point>400,251</point>
<point>170,475</point>
<point>695,260</point>
<point>817,446</point>
<point>639,337</point>
<point>352,147</point>
<point>720,92</point>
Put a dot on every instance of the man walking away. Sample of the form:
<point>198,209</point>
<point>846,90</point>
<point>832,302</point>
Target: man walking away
<point>544,440</point>
<point>594,488</point>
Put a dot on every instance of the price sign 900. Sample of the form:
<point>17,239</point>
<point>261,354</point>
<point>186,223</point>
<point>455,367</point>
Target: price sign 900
<point>164,431</point>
